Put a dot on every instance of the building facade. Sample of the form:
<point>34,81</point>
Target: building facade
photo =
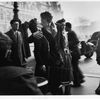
<point>27,11</point>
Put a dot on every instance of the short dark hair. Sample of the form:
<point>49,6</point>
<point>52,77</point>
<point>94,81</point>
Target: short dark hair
<point>33,25</point>
<point>15,20</point>
<point>68,24</point>
<point>46,15</point>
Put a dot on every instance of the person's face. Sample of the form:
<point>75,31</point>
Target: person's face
<point>44,22</point>
<point>15,26</point>
<point>60,27</point>
<point>67,28</point>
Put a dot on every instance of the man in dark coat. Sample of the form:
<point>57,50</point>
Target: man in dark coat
<point>75,53</point>
<point>54,58</point>
<point>41,49</point>
<point>18,52</point>
<point>14,80</point>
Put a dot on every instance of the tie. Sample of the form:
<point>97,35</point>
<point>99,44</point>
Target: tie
<point>16,36</point>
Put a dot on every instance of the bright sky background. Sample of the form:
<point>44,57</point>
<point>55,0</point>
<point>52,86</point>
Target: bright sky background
<point>88,9</point>
<point>81,13</point>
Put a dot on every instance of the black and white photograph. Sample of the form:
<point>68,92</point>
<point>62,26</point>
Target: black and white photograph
<point>58,56</point>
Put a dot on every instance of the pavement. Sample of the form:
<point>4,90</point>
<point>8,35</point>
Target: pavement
<point>87,88</point>
<point>91,71</point>
<point>89,66</point>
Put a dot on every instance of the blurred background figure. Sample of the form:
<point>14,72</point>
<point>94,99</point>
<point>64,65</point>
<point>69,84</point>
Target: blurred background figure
<point>5,49</point>
<point>15,80</point>
<point>97,91</point>
<point>75,53</point>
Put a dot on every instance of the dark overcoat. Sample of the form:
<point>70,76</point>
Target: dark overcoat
<point>18,52</point>
<point>73,45</point>
<point>41,51</point>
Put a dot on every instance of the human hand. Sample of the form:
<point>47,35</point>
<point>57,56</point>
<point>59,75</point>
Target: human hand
<point>38,34</point>
<point>44,68</point>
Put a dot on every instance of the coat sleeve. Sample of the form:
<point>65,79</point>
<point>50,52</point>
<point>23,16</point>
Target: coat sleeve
<point>30,39</point>
<point>72,39</point>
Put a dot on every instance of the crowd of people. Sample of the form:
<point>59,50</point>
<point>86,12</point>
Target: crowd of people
<point>56,53</point>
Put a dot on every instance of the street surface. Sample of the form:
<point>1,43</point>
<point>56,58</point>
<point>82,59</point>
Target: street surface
<point>89,66</point>
<point>91,71</point>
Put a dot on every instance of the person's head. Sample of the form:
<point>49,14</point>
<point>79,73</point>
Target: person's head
<point>25,25</point>
<point>60,24</point>
<point>46,18</point>
<point>15,24</point>
<point>5,46</point>
<point>33,25</point>
<point>68,26</point>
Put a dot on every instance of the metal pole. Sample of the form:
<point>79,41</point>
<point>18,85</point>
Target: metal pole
<point>15,10</point>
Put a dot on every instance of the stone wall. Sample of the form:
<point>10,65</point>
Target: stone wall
<point>27,11</point>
